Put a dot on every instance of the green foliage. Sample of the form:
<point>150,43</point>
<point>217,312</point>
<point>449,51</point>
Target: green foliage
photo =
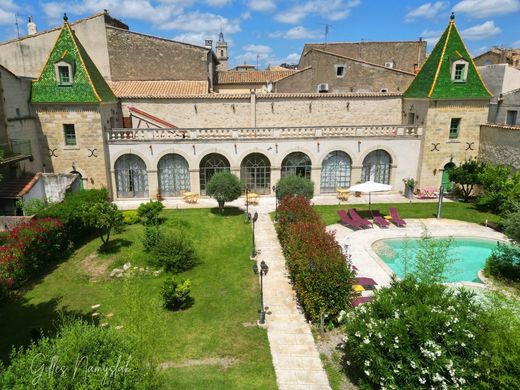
<point>70,212</point>
<point>149,212</point>
<point>504,262</point>
<point>512,224</point>
<point>176,294</point>
<point>174,252</point>
<point>416,335</point>
<point>152,235</point>
<point>433,259</point>
<point>224,187</point>
<point>104,217</point>
<point>500,188</point>
<point>410,182</point>
<point>321,277</point>
<point>31,207</point>
<point>130,217</point>
<point>81,356</point>
<point>294,185</point>
<point>467,175</point>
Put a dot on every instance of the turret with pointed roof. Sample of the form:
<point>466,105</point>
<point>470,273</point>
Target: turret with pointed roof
<point>69,74</point>
<point>449,71</point>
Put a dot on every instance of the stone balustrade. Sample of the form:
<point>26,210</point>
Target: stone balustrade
<point>125,135</point>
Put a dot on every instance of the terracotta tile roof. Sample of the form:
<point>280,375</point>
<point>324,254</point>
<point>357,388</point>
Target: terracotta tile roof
<point>13,188</point>
<point>253,76</point>
<point>158,89</point>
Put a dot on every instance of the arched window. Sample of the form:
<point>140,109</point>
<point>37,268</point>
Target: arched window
<point>255,173</point>
<point>376,167</point>
<point>131,177</point>
<point>209,165</point>
<point>298,164</point>
<point>174,175</point>
<point>335,171</point>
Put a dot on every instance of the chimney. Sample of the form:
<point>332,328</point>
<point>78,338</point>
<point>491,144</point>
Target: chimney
<point>31,27</point>
<point>208,43</point>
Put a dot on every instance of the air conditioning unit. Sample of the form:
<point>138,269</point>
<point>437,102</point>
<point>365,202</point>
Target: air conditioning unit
<point>389,64</point>
<point>323,87</point>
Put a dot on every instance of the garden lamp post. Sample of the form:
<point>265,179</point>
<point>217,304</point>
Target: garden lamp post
<point>275,189</point>
<point>263,271</point>
<point>253,251</point>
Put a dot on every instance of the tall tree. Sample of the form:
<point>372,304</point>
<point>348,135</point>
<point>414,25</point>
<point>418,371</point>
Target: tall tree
<point>467,175</point>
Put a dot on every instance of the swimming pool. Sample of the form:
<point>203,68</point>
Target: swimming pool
<point>470,255</point>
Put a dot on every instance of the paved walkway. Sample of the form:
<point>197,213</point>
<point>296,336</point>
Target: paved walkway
<point>295,357</point>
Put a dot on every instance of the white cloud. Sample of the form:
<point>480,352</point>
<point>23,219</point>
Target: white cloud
<point>197,22</point>
<point>516,43</point>
<point>485,8</point>
<point>331,10</point>
<point>292,58</point>
<point>481,31</point>
<point>262,5</point>
<point>427,10</point>
<point>258,49</point>
<point>6,17</point>
<point>431,36</point>
<point>218,3</point>
<point>298,32</point>
<point>194,38</point>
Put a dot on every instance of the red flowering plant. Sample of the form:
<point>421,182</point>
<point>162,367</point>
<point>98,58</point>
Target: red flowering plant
<point>321,276</point>
<point>28,248</point>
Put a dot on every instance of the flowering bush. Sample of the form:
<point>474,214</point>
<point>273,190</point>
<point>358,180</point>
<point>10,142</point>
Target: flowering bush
<point>28,248</point>
<point>321,277</point>
<point>417,335</point>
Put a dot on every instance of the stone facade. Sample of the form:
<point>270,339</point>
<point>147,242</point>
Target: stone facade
<point>499,55</point>
<point>89,155</point>
<point>266,110</point>
<point>356,75</point>
<point>500,144</point>
<point>437,148</point>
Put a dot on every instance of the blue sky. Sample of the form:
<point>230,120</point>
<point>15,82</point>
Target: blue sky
<point>272,31</point>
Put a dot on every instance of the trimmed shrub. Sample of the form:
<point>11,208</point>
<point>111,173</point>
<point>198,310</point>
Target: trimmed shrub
<point>416,335</point>
<point>149,212</point>
<point>152,234</point>
<point>70,212</point>
<point>104,217</point>
<point>130,217</point>
<point>176,294</point>
<point>321,277</point>
<point>30,247</point>
<point>294,185</point>
<point>79,356</point>
<point>174,252</point>
<point>224,187</point>
<point>504,262</point>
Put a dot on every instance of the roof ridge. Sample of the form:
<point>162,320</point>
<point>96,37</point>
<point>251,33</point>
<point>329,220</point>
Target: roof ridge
<point>297,71</point>
<point>439,64</point>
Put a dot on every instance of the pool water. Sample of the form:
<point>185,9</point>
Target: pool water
<point>470,256</point>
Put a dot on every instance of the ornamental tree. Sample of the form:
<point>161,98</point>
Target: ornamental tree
<point>105,217</point>
<point>295,185</point>
<point>224,187</point>
<point>467,175</point>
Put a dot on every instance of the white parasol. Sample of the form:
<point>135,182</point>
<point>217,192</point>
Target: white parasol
<point>370,186</point>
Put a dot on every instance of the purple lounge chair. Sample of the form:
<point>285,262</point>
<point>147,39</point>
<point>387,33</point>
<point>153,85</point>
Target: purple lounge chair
<point>360,220</point>
<point>346,220</point>
<point>396,218</point>
<point>360,300</point>
<point>379,220</point>
<point>367,283</point>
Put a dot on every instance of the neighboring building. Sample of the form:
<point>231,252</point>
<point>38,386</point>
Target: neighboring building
<point>245,81</point>
<point>449,99</point>
<point>503,81</point>
<point>498,55</point>
<point>221,49</point>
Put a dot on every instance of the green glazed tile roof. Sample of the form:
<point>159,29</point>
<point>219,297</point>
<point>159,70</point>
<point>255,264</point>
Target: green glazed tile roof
<point>88,84</point>
<point>434,79</point>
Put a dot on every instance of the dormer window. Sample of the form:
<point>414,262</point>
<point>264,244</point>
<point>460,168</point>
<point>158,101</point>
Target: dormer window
<point>64,73</point>
<point>459,71</point>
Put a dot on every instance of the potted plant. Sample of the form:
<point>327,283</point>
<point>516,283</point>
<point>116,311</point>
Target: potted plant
<point>409,186</point>
<point>159,196</point>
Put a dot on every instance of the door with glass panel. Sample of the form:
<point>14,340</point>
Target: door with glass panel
<point>209,165</point>
<point>131,177</point>
<point>335,171</point>
<point>376,167</point>
<point>255,173</point>
<point>174,175</point>
<point>298,164</point>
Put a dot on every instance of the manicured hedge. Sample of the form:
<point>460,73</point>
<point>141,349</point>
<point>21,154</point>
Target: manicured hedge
<point>28,248</point>
<point>321,276</point>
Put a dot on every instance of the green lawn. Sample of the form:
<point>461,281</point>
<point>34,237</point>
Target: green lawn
<point>212,345</point>
<point>450,210</point>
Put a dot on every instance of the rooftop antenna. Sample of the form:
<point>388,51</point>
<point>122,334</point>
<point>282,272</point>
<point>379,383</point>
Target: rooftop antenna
<point>17,26</point>
<point>327,26</point>
<point>257,56</point>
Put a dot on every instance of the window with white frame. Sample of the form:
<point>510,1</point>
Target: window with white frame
<point>64,73</point>
<point>340,70</point>
<point>459,71</point>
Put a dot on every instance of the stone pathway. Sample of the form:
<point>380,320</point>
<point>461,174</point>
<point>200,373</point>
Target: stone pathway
<point>295,357</point>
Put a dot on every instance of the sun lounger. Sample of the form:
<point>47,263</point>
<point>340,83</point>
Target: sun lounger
<point>396,218</point>
<point>356,217</point>
<point>346,220</point>
<point>360,300</point>
<point>428,193</point>
<point>367,283</point>
<point>379,220</point>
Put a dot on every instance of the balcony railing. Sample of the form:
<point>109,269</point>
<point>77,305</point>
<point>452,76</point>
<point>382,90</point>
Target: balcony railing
<point>15,150</point>
<point>124,135</point>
